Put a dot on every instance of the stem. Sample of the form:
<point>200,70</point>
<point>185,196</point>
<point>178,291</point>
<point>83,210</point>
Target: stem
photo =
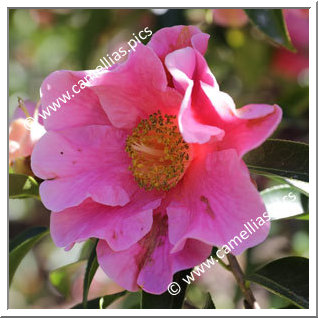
<point>249,301</point>
<point>22,106</point>
<point>225,266</point>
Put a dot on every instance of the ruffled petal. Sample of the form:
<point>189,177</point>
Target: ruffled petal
<point>149,264</point>
<point>169,39</point>
<point>121,227</point>
<point>64,105</point>
<point>245,128</point>
<point>208,112</point>
<point>214,201</point>
<point>83,162</point>
<point>136,89</point>
<point>186,65</point>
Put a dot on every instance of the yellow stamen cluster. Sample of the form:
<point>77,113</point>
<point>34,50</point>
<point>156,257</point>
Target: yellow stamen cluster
<point>158,152</point>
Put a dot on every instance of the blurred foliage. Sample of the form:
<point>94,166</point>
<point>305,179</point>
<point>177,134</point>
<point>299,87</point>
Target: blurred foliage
<point>22,186</point>
<point>241,58</point>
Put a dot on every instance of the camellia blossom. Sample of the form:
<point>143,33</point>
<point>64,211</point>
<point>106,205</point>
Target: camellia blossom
<point>148,159</point>
<point>21,139</point>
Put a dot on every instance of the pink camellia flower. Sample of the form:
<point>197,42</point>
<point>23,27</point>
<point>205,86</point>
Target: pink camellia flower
<point>22,139</point>
<point>151,167</point>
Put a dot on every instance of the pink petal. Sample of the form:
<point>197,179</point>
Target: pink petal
<point>256,123</point>
<point>121,227</point>
<point>20,144</point>
<point>207,112</point>
<point>135,89</point>
<point>192,130</point>
<point>214,201</point>
<point>119,266</point>
<point>22,140</point>
<point>297,21</point>
<point>245,128</point>
<point>149,263</point>
<point>84,162</point>
<point>79,109</point>
<point>169,39</point>
<point>158,271</point>
<point>186,65</point>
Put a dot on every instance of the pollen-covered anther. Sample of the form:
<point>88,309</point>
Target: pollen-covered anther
<point>159,155</point>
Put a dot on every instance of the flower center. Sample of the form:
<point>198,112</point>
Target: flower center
<point>158,153</point>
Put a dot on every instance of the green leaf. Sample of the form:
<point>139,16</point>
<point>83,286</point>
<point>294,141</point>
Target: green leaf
<point>100,302</point>
<point>271,22</point>
<point>20,246</point>
<point>284,158</point>
<point>22,186</point>
<point>62,278</point>
<point>209,304</point>
<point>86,249</point>
<point>284,201</point>
<point>166,300</point>
<point>131,300</point>
<point>303,217</point>
<point>286,277</point>
<point>91,268</point>
<point>301,186</point>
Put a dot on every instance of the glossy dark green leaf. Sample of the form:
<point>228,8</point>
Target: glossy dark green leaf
<point>286,277</point>
<point>271,22</point>
<point>166,300</point>
<point>62,278</point>
<point>20,246</point>
<point>209,304</point>
<point>22,186</point>
<point>284,201</point>
<point>301,186</point>
<point>287,159</point>
<point>100,302</point>
<point>91,269</point>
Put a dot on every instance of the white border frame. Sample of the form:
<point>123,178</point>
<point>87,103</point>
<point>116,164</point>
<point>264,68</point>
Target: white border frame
<point>312,164</point>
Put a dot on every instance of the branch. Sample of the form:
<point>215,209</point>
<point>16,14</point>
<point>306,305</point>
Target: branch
<point>249,301</point>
